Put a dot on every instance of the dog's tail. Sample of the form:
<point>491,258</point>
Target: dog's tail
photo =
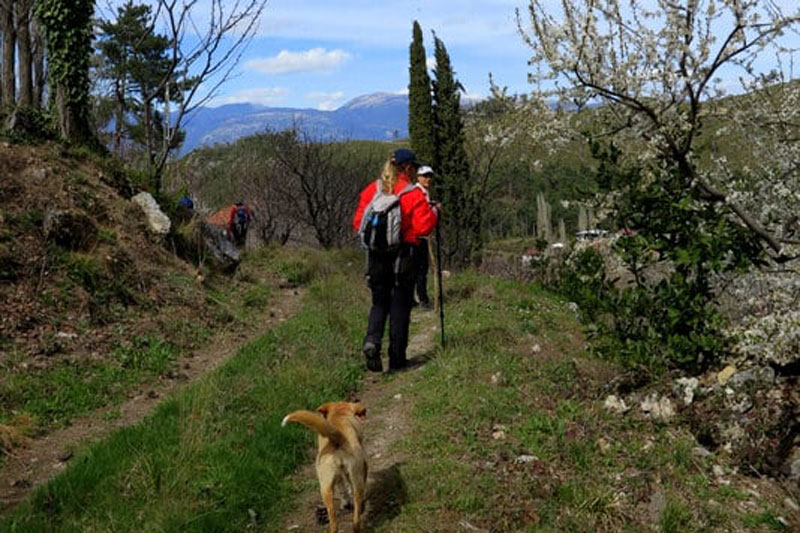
<point>315,421</point>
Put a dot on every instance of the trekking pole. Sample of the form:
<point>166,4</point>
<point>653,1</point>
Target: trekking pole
<point>439,277</point>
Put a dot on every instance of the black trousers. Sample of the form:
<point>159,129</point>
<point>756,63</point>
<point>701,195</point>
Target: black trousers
<point>421,263</point>
<point>390,277</point>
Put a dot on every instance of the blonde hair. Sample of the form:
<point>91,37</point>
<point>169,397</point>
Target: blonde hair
<point>389,176</point>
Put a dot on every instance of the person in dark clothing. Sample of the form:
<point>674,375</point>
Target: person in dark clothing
<point>421,253</point>
<point>390,275</point>
<point>238,222</point>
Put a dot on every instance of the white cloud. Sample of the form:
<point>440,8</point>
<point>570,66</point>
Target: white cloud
<point>268,96</point>
<point>487,23</point>
<point>430,62</point>
<point>326,101</point>
<point>287,62</point>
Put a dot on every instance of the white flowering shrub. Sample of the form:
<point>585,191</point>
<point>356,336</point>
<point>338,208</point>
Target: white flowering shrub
<point>764,311</point>
<point>711,183</point>
<point>657,69</point>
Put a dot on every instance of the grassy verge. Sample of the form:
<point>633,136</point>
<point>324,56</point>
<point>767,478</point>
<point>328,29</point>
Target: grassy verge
<point>38,398</point>
<point>69,388</point>
<point>510,435</point>
<point>213,458</point>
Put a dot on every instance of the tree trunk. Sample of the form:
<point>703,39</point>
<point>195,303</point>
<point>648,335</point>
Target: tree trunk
<point>9,43</point>
<point>63,112</point>
<point>148,133</point>
<point>22,19</point>
<point>119,95</point>
<point>40,77</point>
<point>73,123</point>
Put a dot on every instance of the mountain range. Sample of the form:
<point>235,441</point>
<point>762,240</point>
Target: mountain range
<point>377,116</point>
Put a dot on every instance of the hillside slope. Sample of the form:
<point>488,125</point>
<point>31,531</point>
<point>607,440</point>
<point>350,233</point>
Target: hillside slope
<point>94,305</point>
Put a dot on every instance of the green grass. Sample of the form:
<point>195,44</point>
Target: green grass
<point>70,388</point>
<point>214,457</point>
<point>593,471</point>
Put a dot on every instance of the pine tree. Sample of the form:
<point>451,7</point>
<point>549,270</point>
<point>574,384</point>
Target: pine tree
<point>136,62</point>
<point>420,107</point>
<point>462,223</point>
<point>118,45</point>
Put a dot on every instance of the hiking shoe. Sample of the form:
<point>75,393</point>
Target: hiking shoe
<point>406,364</point>
<point>373,357</point>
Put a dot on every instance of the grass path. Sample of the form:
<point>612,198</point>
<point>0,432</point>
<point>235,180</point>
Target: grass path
<point>44,457</point>
<point>388,420</point>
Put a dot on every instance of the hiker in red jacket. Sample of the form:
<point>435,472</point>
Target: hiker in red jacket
<point>390,274</point>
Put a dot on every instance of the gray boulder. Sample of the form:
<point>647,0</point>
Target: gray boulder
<point>157,222</point>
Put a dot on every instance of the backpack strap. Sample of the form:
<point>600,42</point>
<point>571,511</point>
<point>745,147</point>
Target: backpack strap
<point>410,187</point>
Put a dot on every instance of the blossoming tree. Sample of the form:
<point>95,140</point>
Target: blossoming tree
<point>659,71</point>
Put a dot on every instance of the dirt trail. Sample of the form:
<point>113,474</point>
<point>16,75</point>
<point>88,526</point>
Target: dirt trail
<point>44,457</point>
<point>388,420</point>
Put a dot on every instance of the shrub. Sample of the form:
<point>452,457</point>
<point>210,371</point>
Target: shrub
<point>665,316</point>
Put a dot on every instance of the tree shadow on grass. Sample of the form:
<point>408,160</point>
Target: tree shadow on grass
<point>387,496</point>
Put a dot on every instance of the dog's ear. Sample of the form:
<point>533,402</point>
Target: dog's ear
<point>360,411</point>
<point>324,409</point>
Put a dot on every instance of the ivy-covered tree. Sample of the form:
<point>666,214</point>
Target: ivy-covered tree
<point>462,206</point>
<point>420,107</point>
<point>67,28</point>
<point>22,20</point>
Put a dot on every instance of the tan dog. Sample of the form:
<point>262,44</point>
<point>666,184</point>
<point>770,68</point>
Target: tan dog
<point>340,457</point>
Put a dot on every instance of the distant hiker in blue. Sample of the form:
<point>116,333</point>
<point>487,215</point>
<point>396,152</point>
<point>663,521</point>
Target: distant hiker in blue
<point>239,222</point>
<point>185,211</point>
<point>186,202</point>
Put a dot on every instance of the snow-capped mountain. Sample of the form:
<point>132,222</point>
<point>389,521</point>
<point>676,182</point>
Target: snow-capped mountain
<point>378,116</point>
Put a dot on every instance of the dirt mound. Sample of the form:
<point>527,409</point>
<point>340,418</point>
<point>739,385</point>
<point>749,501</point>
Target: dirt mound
<point>80,274</point>
<point>74,254</point>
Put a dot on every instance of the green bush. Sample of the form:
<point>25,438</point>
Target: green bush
<point>665,317</point>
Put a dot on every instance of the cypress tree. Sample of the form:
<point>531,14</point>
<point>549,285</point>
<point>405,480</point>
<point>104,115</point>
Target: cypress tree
<point>462,223</point>
<point>420,107</point>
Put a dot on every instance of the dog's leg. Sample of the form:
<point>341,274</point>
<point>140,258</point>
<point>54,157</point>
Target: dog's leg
<point>358,478</point>
<point>326,484</point>
<point>358,501</point>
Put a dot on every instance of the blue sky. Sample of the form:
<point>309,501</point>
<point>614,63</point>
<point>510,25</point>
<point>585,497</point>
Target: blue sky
<point>320,54</point>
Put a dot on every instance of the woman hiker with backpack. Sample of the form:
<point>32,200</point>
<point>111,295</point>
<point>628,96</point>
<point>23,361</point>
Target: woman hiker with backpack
<point>390,264</point>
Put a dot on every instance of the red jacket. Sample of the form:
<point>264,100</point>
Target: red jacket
<point>417,217</point>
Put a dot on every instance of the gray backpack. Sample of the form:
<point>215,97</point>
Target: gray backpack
<point>380,225</point>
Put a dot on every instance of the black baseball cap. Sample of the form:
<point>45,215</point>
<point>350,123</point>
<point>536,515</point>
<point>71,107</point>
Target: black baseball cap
<point>404,156</point>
